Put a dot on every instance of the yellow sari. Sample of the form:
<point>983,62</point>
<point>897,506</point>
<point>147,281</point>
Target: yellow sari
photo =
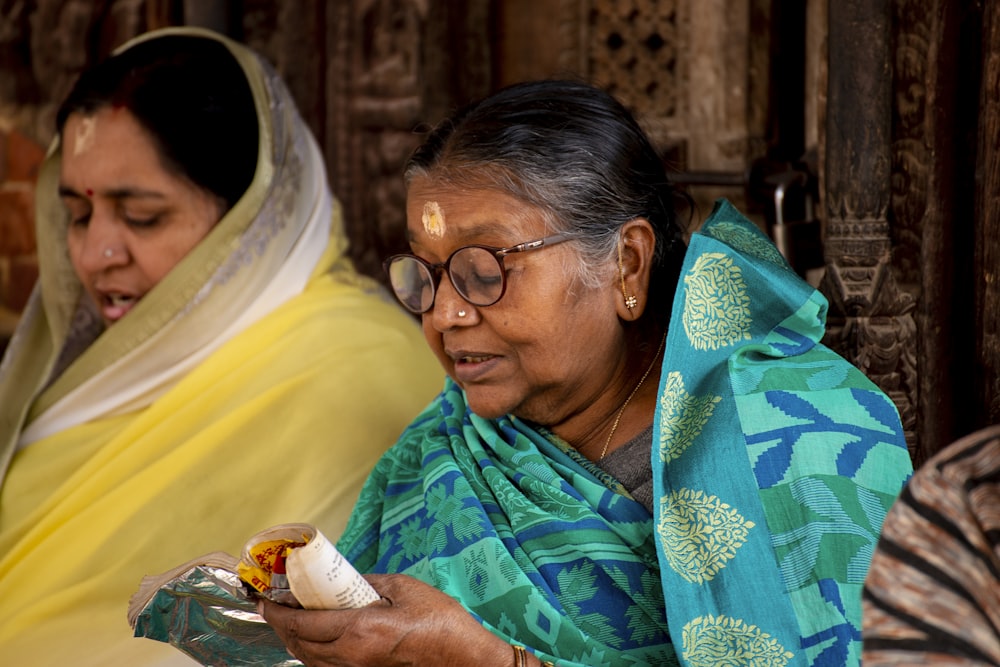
<point>258,383</point>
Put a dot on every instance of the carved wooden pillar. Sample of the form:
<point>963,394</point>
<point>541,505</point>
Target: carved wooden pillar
<point>393,68</point>
<point>935,105</point>
<point>871,321</point>
<point>366,74</point>
<point>987,238</point>
<point>211,14</point>
<point>373,101</point>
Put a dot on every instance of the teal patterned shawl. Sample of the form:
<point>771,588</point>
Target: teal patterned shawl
<point>774,463</point>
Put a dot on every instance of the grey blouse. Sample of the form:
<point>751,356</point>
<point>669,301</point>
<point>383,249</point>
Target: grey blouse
<point>630,464</point>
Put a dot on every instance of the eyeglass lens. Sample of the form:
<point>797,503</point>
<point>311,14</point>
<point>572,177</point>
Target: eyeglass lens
<point>476,274</point>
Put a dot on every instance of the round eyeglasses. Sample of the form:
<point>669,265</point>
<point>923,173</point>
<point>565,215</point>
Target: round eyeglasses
<point>476,271</point>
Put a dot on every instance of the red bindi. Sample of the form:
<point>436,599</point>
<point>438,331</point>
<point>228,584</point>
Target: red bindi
<point>90,193</point>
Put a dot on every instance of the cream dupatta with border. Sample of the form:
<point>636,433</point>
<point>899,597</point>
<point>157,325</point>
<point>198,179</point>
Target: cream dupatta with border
<point>254,259</point>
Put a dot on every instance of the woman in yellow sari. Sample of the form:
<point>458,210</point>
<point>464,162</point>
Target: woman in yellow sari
<point>199,359</point>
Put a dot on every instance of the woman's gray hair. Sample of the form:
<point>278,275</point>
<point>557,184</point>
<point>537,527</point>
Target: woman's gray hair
<point>575,153</point>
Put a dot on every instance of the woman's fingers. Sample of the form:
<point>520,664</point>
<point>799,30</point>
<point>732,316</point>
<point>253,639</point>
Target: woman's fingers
<point>412,623</point>
<point>307,625</point>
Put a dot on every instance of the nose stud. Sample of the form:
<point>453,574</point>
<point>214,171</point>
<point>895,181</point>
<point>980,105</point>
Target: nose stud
<point>461,313</point>
<point>108,252</point>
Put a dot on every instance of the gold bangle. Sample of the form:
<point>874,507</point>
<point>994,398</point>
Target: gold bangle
<point>521,658</point>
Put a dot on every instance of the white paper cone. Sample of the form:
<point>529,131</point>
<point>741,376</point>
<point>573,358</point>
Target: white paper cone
<point>321,578</point>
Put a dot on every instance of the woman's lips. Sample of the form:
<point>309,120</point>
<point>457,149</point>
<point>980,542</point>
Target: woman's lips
<point>116,306</point>
<point>470,367</point>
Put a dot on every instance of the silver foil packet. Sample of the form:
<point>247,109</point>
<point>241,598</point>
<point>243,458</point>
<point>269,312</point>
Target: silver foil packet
<point>211,615</point>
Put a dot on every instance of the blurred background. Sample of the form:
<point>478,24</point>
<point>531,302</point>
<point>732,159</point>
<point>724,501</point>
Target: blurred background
<point>861,134</point>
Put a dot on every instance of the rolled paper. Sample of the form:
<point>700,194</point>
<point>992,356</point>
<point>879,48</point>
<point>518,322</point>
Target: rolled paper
<point>321,578</point>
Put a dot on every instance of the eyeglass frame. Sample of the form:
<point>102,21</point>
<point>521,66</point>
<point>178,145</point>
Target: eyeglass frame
<point>444,267</point>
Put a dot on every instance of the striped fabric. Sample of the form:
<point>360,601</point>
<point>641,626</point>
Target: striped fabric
<point>932,596</point>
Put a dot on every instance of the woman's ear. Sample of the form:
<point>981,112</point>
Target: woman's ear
<point>636,245</point>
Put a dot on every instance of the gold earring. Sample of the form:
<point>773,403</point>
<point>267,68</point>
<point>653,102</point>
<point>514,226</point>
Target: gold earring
<point>630,300</point>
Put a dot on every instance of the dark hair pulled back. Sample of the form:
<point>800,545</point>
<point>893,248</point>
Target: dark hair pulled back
<point>576,153</point>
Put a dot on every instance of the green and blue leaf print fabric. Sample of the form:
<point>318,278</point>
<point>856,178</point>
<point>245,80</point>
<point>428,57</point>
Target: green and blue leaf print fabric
<point>774,462</point>
<point>519,528</point>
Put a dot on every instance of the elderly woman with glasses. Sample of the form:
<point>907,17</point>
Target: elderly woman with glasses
<point>643,455</point>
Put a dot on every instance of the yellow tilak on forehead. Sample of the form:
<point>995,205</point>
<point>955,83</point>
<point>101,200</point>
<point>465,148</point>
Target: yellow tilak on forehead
<point>433,219</point>
<point>85,135</point>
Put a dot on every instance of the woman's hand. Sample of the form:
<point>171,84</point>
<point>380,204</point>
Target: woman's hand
<point>413,624</point>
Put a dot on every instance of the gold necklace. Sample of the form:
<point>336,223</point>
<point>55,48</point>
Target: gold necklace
<point>621,411</point>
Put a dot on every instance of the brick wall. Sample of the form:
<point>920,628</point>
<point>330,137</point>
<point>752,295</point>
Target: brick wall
<point>20,158</point>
